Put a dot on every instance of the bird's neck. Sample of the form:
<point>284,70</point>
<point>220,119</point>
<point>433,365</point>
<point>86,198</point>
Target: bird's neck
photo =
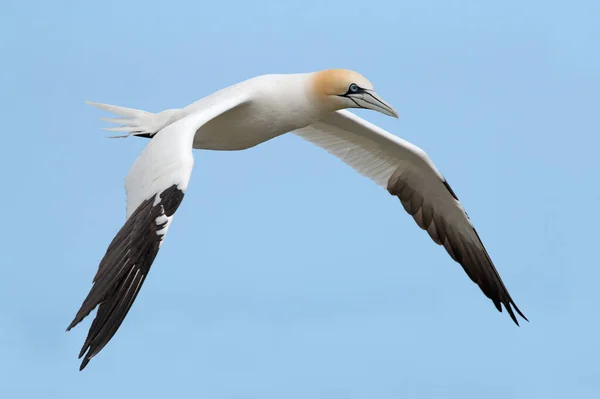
<point>292,102</point>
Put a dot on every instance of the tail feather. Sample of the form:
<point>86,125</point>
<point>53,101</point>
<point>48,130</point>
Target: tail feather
<point>116,120</point>
<point>136,122</point>
<point>115,109</point>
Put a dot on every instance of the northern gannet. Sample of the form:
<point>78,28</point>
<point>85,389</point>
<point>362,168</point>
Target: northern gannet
<point>310,105</point>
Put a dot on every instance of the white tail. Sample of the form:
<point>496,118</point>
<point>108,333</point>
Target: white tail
<point>135,121</point>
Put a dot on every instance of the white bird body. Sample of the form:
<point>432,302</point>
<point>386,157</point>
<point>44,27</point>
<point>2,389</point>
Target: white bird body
<point>244,115</point>
<point>274,105</point>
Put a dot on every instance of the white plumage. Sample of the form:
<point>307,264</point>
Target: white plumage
<point>247,114</point>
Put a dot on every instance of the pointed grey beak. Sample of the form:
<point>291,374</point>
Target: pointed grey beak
<point>370,100</point>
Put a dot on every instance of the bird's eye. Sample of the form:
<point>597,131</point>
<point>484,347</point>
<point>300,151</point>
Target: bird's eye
<point>353,88</point>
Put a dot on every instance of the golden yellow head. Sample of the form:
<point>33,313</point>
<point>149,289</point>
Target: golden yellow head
<point>343,88</point>
<point>333,82</point>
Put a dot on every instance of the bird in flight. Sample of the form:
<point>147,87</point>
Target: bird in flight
<point>310,105</point>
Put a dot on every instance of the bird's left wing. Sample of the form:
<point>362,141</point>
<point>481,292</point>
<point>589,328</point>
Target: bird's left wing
<point>407,173</point>
<point>155,187</point>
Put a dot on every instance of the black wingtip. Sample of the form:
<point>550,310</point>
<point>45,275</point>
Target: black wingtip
<point>84,363</point>
<point>86,357</point>
<point>498,305</point>
<point>73,324</point>
<point>519,312</point>
<point>509,308</point>
<point>512,315</point>
<point>83,350</point>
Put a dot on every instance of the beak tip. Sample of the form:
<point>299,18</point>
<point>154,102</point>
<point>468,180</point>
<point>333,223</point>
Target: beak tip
<point>378,105</point>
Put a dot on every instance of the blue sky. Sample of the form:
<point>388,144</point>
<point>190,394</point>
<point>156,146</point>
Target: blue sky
<point>285,274</point>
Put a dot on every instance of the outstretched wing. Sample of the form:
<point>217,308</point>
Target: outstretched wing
<point>155,187</point>
<point>407,173</point>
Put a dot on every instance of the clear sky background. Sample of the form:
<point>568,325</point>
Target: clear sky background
<point>286,274</point>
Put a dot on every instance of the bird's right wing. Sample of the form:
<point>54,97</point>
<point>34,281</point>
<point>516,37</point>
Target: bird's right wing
<point>155,187</point>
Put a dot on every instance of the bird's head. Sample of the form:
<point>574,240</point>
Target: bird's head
<point>342,88</point>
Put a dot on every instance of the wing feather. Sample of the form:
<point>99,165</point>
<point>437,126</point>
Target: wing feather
<point>409,174</point>
<point>155,188</point>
